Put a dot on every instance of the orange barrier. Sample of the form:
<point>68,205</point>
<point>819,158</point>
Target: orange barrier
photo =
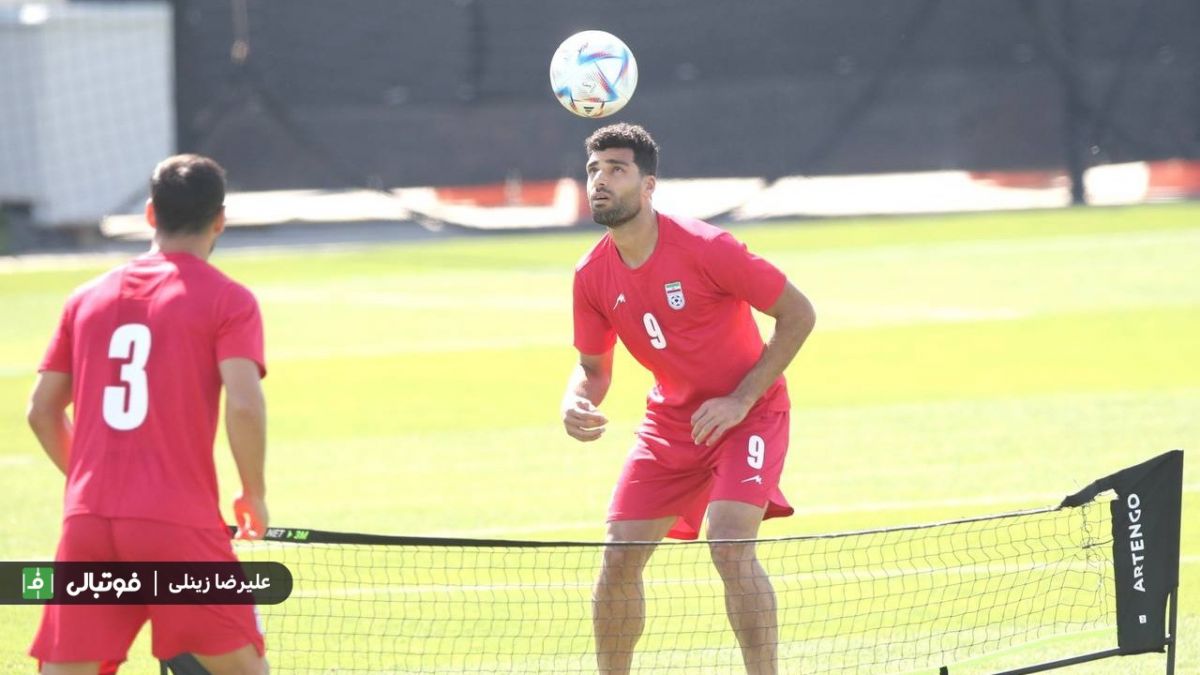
<point>1174,179</point>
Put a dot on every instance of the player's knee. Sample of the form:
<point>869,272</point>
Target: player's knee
<point>626,558</point>
<point>733,560</point>
<point>622,563</point>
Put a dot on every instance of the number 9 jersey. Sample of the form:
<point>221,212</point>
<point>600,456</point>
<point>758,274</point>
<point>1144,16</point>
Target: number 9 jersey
<point>684,314</point>
<point>142,344</point>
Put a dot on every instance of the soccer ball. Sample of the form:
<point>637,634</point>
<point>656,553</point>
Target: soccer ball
<point>593,74</point>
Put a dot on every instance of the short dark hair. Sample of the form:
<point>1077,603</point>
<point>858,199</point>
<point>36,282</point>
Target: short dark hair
<point>624,135</point>
<point>188,191</point>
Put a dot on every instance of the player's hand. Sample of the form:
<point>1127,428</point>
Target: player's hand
<point>716,416</point>
<point>582,420</point>
<point>251,515</point>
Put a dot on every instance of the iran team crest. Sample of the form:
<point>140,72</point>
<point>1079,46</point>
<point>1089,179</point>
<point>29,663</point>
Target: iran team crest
<point>674,294</point>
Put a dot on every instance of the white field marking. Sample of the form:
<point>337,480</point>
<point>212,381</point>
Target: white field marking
<point>833,509</point>
<point>488,532</point>
<point>441,301</point>
<point>61,261</point>
<point>402,347</point>
<point>985,500</point>
<point>840,316</point>
<point>55,262</point>
<point>410,347</point>
<point>1081,244</point>
<point>1058,242</point>
<point>1033,500</point>
<point>859,574</point>
<point>849,315</point>
<point>16,460</point>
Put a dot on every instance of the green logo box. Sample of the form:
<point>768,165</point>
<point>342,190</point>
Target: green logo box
<point>37,583</point>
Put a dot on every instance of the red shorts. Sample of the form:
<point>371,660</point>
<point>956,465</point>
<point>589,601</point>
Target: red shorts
<point>104,632</point>
<point>665,477</point>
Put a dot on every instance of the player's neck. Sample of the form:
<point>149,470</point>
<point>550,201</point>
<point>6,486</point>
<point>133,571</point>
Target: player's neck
<point>637,238</point>
<point>199,246</point>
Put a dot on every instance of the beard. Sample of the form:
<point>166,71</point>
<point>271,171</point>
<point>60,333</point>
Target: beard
<point>617,212</point>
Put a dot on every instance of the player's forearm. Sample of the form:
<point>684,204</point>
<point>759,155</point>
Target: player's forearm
<point>246,426</point>
<point>791,330</point>
<point>589,383</point>
<point>53,432</point>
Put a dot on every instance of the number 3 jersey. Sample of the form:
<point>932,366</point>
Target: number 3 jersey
<point>684,314</point>
<point>142,344</point>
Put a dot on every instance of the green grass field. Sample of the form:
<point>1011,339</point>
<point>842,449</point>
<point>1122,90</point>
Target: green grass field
<point>961,365</point>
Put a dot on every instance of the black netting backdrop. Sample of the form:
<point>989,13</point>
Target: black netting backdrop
<point>414,92</point>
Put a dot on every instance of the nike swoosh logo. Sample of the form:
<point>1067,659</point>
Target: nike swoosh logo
<point>754,479</point>
<point>620,299</point>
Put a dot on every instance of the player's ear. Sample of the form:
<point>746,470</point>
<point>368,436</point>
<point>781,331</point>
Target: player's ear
<point>648,184</point>
<point>219,221</point>
<point>151,218</point>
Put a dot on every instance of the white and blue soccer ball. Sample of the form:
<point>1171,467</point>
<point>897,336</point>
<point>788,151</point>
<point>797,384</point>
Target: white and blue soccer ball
<point>593,74</point>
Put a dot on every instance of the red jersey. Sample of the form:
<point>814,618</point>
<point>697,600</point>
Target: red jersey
<point>142,344</point>
<point>684,315</point>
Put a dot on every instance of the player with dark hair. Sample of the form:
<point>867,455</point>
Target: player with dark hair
<point>142,353</point>
<point>678,293</point>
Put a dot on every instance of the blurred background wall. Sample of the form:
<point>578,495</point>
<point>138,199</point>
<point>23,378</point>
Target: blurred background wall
<point>384,94</point>
<point>414,92</point>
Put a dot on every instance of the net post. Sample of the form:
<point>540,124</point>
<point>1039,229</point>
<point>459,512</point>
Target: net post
<point>1171,636</point>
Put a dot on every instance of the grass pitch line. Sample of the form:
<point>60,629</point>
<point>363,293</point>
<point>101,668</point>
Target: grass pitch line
<point>17,460</point>
<point>831,509</point>
<point>780,580</point>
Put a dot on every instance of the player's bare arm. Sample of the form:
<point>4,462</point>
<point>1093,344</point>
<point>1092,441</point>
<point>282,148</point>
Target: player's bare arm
<point>794,319</point>
<point>246,426</point>
<point>585,391</point>
<point>47,416</point>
